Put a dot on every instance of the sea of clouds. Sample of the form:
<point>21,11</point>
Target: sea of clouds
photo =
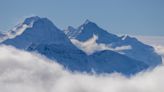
<point>21,71</point>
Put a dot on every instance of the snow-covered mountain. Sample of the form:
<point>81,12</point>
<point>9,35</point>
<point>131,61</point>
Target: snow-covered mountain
<point>40,31</point>
<point>42,36</point>
<point>87,30</point>
<point>138,50</point>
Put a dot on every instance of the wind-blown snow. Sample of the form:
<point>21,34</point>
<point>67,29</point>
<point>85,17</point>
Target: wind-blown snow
<point>27,72</point>
<point>90,46</point>
<point>18,30</point>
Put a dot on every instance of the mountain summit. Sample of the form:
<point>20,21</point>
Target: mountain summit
<point>30,20</point>
<point>41,31</point>
<point>87,30</point>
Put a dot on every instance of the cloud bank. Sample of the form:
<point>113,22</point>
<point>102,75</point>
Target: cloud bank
<point>21,71</point>
<point>152,40</point>
<point>156,41</point>
<point>160,50</point>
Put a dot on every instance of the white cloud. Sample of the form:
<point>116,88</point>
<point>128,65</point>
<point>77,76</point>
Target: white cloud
<point>152,40</point>
<point>160,50</point>
<point>156,41</point>
<point>21,71</point>
<point>121,48</point>
<point>90,46</point>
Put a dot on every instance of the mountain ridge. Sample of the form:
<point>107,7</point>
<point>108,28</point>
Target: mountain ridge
<point>45,38</point>
<point>139,51</point>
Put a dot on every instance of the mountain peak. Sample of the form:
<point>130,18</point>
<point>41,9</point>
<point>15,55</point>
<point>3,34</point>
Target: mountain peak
<point>88,22</point>
<point>88,25</point>
<point>124,37</point>
<point>39,22</point>
<point>30,20</point>
<point>71,28</point>
<point>87,30</point>
<point>39,31</point>
<point>128,38</point>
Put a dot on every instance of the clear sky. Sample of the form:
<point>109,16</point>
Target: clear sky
<point>136,17</point>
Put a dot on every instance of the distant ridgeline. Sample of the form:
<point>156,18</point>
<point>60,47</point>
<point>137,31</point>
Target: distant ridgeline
<point>42,36</point>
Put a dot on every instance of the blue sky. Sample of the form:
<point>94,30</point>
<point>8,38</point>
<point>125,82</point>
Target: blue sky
<point>136,17</point>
